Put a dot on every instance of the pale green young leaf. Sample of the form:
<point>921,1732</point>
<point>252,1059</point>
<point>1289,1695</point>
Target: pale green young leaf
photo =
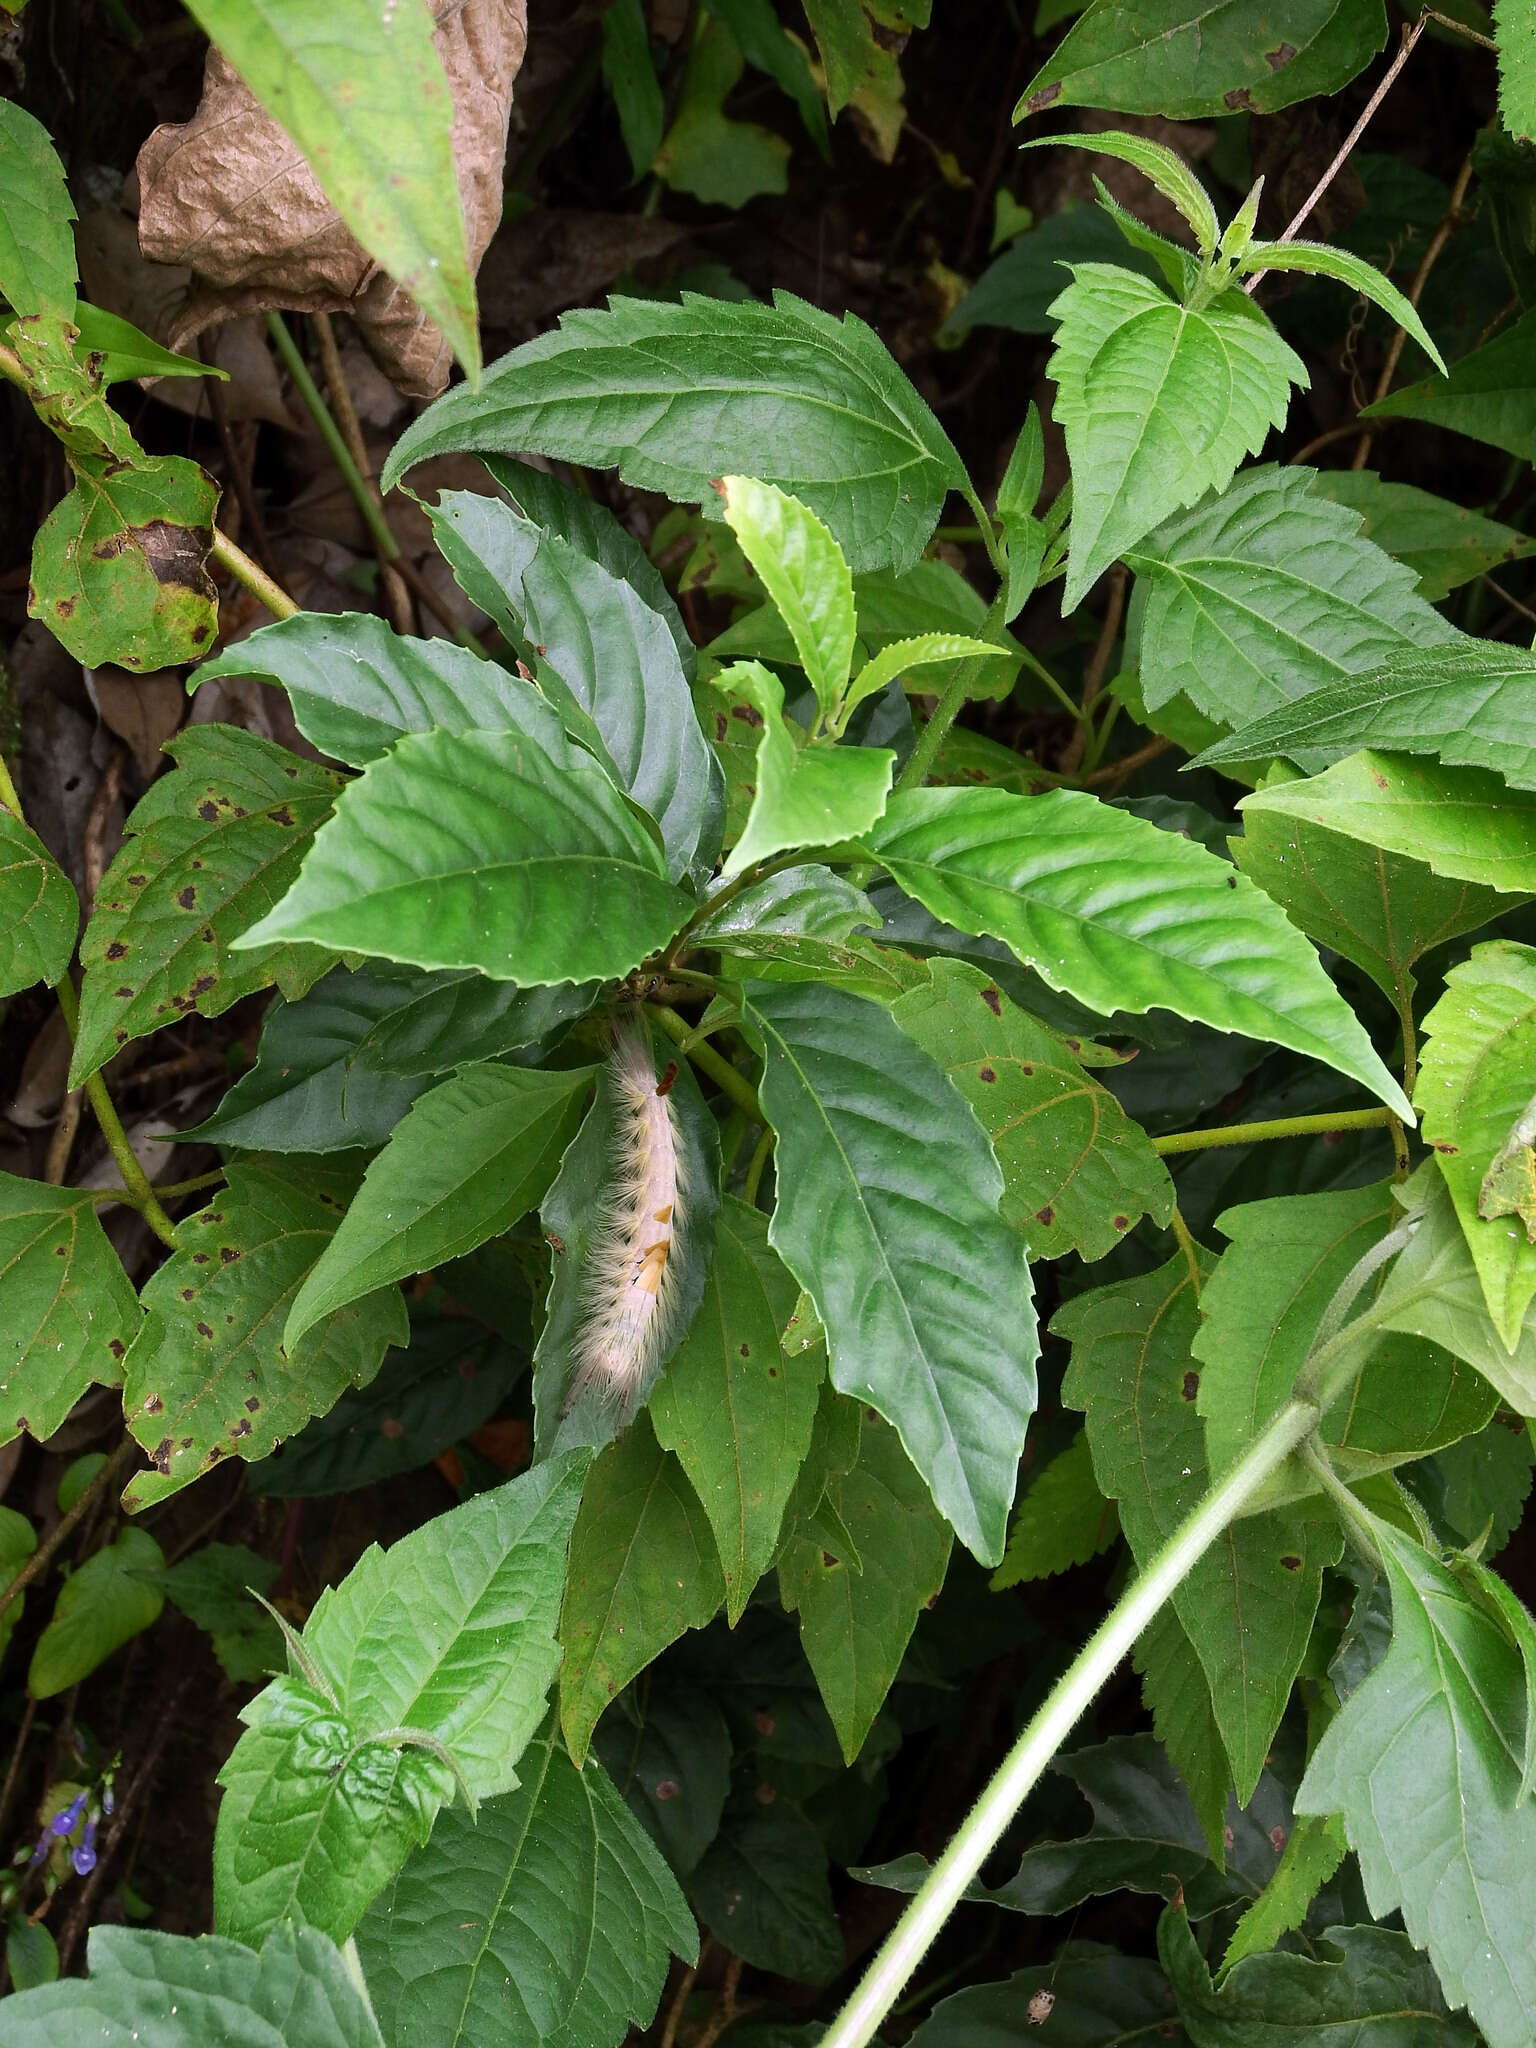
<point>361,91</point>
<point>1122,916</point>
<point>643,1570</point>
<point>1249,1603</point>
<point>450,1635</point>
<point>356,687</point>
<point>1424,1763</point>
<point>1063,1520</point>
<point>1181,61</point>
<point>39,912</point>
<point>1465,824</point>
<point>855,1624</point>
<point>104,1603</point>
<point>1160,404</point>
<point>676,395</point>
<point>1265,592</point>
<point>210,846</point>
<point>171,1991</point>
<point>1077,1172</point>
<point>1320,259</point>
<point>70,1309</point>
<point>1443,543</point>
<point>208,1377</point>
<point>1155,160</point>
<point>464,1164</point>
<point>1476,1079</point>
<point>564,1918</point>
<point>735,1409</point>
<point>887,1214</point>
<point>705,152</point>
<point>923,650</point>
<point>803,571</point>
<point>806,795</point>
<point>37,249</point>
<point>1471,704</point>
<point>1486,396</point>
<point>127,351</point>
<point>482,850</point>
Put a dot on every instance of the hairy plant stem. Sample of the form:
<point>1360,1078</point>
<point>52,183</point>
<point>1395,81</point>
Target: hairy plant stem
<point>1069,1699</point>
<point>1276,1127</point>
<point>167,1191</point>
<point>708,1061</point>
<point>34,1566</point>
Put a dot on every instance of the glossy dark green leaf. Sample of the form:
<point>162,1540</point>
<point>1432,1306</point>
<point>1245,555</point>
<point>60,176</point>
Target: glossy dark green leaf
<point>37,248</point>
<point>887,1215</point>
<point>1424,1762</point>
<point>169,1991</point>
<point>761,1889</point>
<point>1121,915</point>
<point>208,1376</point>
<point>1443,543</point>
<point>675,395</point>
<point>39,912</point>
<point>484,851</point>
<point>211,846</point>
<point>104,1603</point>
<point>440,1648</point>
<point>1090,1997</point>
<point>794,909</point>
<point>1249,1603</point>
<point>548,1916</point>
<point>670,1757</point>
<point>466,1162</point>
<point>1077,1172</point>
<point>734,1406</point>
<point>70,1309</point>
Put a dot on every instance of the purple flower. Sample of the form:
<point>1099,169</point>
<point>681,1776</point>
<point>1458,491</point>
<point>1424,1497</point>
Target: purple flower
<point>66,1822</point>
<point>84,1858</point>
<point>108,1803</point>
<point>45,1843</point>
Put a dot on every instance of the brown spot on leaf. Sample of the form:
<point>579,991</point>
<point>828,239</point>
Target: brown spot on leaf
<point>1239,99</point>
<point>1045,97</point>
<point>154,1405</point>
<point>1121,1222</point>
<point>1191,1385</point>
<point>1279,56</point>
<point>203,983</point>
<point>747,715</point>
<point>746,1350</point>
<point>189,1294</point>
<point>117,950</point>
<point>252,1403</point>
<point>240,1429</point>
<point>228,1254</point>
<point>65,607</point>
<point>1047,1215</point>
<point>988,1074</point>
<point>994,1001</point>
<point>667,1788</point>
<point>137,881</point>
<point>117,1347</point>
<point>160,1456</point>
<point>1277,1840</point>
<point>392,1428</point>
<point>199,1258</point>
<point>207,810</point>
<point>125,991</point>
<point>187,897</point>
<point>204,1330</point>
<point>282,815</point>
<point>1290,1562</point>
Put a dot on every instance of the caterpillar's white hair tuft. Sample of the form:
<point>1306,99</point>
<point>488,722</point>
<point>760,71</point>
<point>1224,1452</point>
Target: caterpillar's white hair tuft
<point>631,1305</point>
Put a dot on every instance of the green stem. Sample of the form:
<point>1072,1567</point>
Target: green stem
<point>987,533</point>
<point>45,1552</point>
<point>755,1167</point>
<point>385,546</point>
<point>948,708</point>
<point>708,1061</point>
<point>166,1192</point>
<point>252,575</point>
<point>1068,1700</point>
<point>8,795</point>
<point>1275,1127</point>
<point>135,1181</point>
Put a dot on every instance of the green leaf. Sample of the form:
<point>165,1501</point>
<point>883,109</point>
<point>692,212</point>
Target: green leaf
<point>631,78</point>
<point>643,1569</point>
<point>356,687</point>
<point>1382,910</point>
<point>104,1603</point>
<point>1160,403</point>
<point>447,1637</point>
<point>119,567</point>
<point>1320,259</point>
<point>1480,1484</point>
<point>207,1376</point>
<point>1156,161</point>
<point>705,153</point>
<point>1249,1603</point>
<point>1262,1310</point>
<point>482,850</point>
<point>1063,1520</point>
<point>211,845</point>
<point>1176,1693</point>
<point>1313,1852</point>
<point>675,395</point>
<point>1077,1172</point>
<point>1471,704</point>
<point>1424,1762</point>
<point>70,1309</point>
<point>1367,1987</point>
<point>1486,396</point>
<point>169,1991</point>
<point>1121,915</point>
<point>1089,1996</point>
<point>671,1759</point>
<point>850,55</point>
<point>806,795</point>
<point>803,571</point>
<point>126,351</point>
<point>37,249</point>
<point>1477,1076</point>
<point>1443,543</point>
<point>39,912</point>
<point>607,660</point>
<point>735,1409</point>
<point>1019,288</point>
<point>1176,58</point>
<point>1464,823</point>
<point>1517,69</point>
<point>761,1889</point>
<point>18,1540</point>
<point>1263,593</point>
<point>561,1922</point>
<point>213,1588</point>
<point>887,1215</point>
<point>770,47</point>
<point>923,650</point>
<point>856,1618</point>
<point>464,1164</point>
<point>809,902</point>
<point>31,1954</point>
<point>362,94</point>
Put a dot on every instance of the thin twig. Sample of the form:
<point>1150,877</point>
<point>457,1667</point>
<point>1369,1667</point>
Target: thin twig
<point>1098,665</point>
<point>725,2007</point>
<point>396,596</point>
<point>680,1997</point>
<point>1321,441</point>
<point>1113,774</point>
<point>13,1768</point>
<point>34,1566</point>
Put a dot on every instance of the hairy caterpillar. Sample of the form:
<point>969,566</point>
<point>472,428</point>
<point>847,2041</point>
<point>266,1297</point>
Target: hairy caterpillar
<point>632,1302</point>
